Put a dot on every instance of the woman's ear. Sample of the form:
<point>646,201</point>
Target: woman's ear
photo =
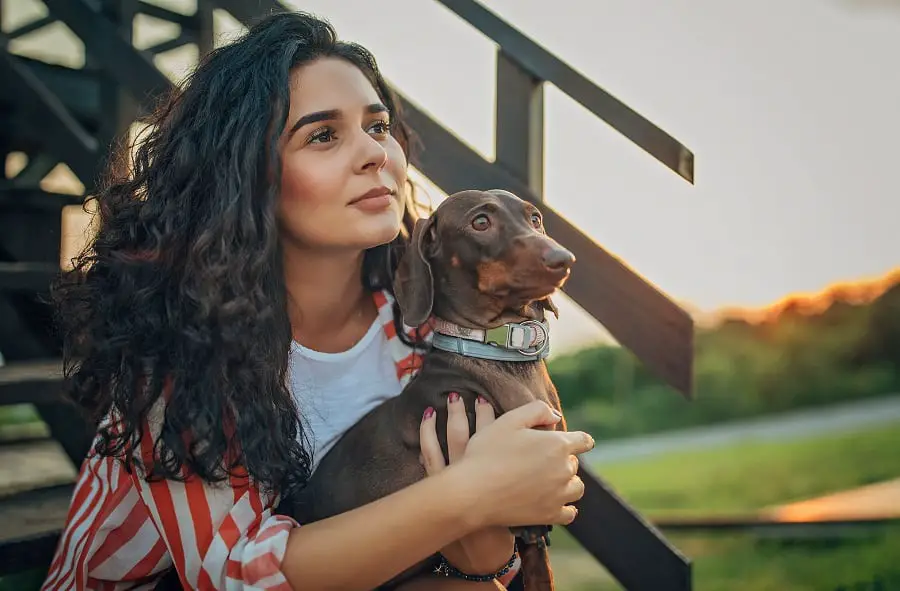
<point>413,282</point>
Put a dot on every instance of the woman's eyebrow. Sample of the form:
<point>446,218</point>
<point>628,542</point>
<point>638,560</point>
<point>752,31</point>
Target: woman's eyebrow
<point>332,115</point>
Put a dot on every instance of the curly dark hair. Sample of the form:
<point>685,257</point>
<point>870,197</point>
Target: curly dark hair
<point>181,293</point>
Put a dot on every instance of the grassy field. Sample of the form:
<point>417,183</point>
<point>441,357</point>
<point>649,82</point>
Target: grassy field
<point>748,477</point>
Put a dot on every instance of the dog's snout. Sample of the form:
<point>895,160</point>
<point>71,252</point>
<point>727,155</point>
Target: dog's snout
<point>558,258</point>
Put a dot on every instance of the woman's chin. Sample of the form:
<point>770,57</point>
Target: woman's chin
<point>375,230</point>
<point>375,234</point>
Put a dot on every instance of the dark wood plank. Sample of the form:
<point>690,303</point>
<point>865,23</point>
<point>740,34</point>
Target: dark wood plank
<point>44,110</point>
<point>31,525</point>
<point>35,382</point>
<point>130,68</point>
<point>519,116</point>
<point>77,88</point>
<point>27,276</point>
<point>546,66</point>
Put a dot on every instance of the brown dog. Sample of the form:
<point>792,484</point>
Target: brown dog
<point>484,268</point>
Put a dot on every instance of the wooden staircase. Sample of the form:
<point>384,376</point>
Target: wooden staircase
<point>35,485</point>
<point>57,114</point>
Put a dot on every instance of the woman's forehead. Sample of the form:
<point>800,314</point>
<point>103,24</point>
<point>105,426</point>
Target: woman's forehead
<point>330,83</point>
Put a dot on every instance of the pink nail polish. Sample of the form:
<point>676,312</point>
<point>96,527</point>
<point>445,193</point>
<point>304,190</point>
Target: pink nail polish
<point>453,397</point>
<point>481,400</point>
<point>429,412</point>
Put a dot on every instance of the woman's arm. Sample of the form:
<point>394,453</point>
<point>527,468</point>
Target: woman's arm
<point>369,545</point>
<point>227,536</point>
<point>364,547</point>
<point>485,551</point>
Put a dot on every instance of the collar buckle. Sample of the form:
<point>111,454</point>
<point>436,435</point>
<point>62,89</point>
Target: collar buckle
<point>529,338</point>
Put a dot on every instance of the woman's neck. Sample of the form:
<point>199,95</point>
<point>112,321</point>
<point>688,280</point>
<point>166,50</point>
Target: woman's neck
<point>328,306</point>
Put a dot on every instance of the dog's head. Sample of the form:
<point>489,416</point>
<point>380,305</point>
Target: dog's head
<point>481,259</point>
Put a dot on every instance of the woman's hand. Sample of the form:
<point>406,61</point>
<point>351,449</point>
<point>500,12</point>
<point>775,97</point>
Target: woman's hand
<point>485,551</point>
<point>514,473</point>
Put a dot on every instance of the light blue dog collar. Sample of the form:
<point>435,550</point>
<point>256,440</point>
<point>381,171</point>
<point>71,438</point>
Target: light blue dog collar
<point>514,341</point>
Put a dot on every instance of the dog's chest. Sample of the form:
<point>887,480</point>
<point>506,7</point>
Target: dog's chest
<point>507,384</point>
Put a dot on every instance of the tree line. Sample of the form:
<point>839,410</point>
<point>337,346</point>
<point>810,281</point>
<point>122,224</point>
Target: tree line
<point>742,369</point>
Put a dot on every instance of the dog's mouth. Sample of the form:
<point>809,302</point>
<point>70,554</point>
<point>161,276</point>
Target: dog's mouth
<point>530,290</point>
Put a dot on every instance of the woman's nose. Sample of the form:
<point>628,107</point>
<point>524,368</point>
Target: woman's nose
<point>372,154</point>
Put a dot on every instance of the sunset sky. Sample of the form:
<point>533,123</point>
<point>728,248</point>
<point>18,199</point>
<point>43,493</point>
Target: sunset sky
<point>792,110</point>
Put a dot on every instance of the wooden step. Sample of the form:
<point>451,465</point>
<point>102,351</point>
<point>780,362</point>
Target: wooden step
<point>27,276</point>
<point>32,522</point>
<point>32,466</point>
<point>35,382</point>
<point>36,483</point>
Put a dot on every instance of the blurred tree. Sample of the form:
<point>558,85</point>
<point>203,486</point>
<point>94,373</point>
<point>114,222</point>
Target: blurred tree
<point>846,352</point>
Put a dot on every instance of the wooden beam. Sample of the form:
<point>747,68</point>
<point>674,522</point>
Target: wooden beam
<point>35,277</point>
<point>31,382</point>
<point>205,34</point>
<point>546,66</point>
<point>622,540</point>
<point>64,134</point>
<point>115,54</point>
<point>520,122</point>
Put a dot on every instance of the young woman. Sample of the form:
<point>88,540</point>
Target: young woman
<point>235,315</point>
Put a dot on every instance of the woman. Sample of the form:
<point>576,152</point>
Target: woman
<point>237,295</point>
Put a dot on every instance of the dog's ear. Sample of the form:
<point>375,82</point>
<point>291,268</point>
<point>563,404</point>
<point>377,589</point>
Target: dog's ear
<point>414,282</point>
<point>547,304</point>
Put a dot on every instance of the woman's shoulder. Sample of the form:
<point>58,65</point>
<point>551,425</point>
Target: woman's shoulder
<point>407,357</point>
<point>387,309</point>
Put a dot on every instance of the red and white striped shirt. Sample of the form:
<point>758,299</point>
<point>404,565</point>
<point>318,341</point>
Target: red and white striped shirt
<point>125,533</point>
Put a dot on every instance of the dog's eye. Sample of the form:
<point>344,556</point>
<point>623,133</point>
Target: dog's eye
<point>536,220</point>
<point>481,223</point>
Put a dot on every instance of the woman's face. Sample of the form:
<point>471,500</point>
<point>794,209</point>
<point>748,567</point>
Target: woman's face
<point>343,173</point>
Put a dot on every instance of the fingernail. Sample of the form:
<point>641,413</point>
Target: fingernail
<point>429,412</point>
<point>556,412</point>
<point>453,397</point>
<point>481,400</point>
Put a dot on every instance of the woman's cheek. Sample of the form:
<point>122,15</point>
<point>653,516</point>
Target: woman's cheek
<point>396,160</point>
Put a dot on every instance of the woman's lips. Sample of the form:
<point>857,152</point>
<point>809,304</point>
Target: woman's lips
<point>374,200</point>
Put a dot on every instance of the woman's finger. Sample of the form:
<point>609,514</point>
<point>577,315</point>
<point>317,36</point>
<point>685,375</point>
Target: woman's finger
<point>573,465</point>
<point>574,490</point>
<point>579,441</point>
<point>457,427</point>
<point>432,456</point>
<point>484,413</point>
<point>567,515</point>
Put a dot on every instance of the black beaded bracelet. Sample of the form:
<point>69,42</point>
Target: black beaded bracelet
<point>448,570</point>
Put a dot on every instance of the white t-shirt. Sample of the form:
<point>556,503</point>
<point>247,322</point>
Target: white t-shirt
<point>335,390</point>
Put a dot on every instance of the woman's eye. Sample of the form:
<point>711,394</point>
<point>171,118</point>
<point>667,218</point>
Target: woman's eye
<point>536,220</point>
<point>322,136</point>
<point>481,223</point>
<point>381,127</point>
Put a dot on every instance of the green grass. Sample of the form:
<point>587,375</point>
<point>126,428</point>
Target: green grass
<point>743,478</point>
<point>750,476</point>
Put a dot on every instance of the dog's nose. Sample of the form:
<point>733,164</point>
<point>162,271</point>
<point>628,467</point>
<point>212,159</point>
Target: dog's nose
<point>558,258</point>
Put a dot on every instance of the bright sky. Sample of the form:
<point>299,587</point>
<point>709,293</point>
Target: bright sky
<point>791,109</point>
